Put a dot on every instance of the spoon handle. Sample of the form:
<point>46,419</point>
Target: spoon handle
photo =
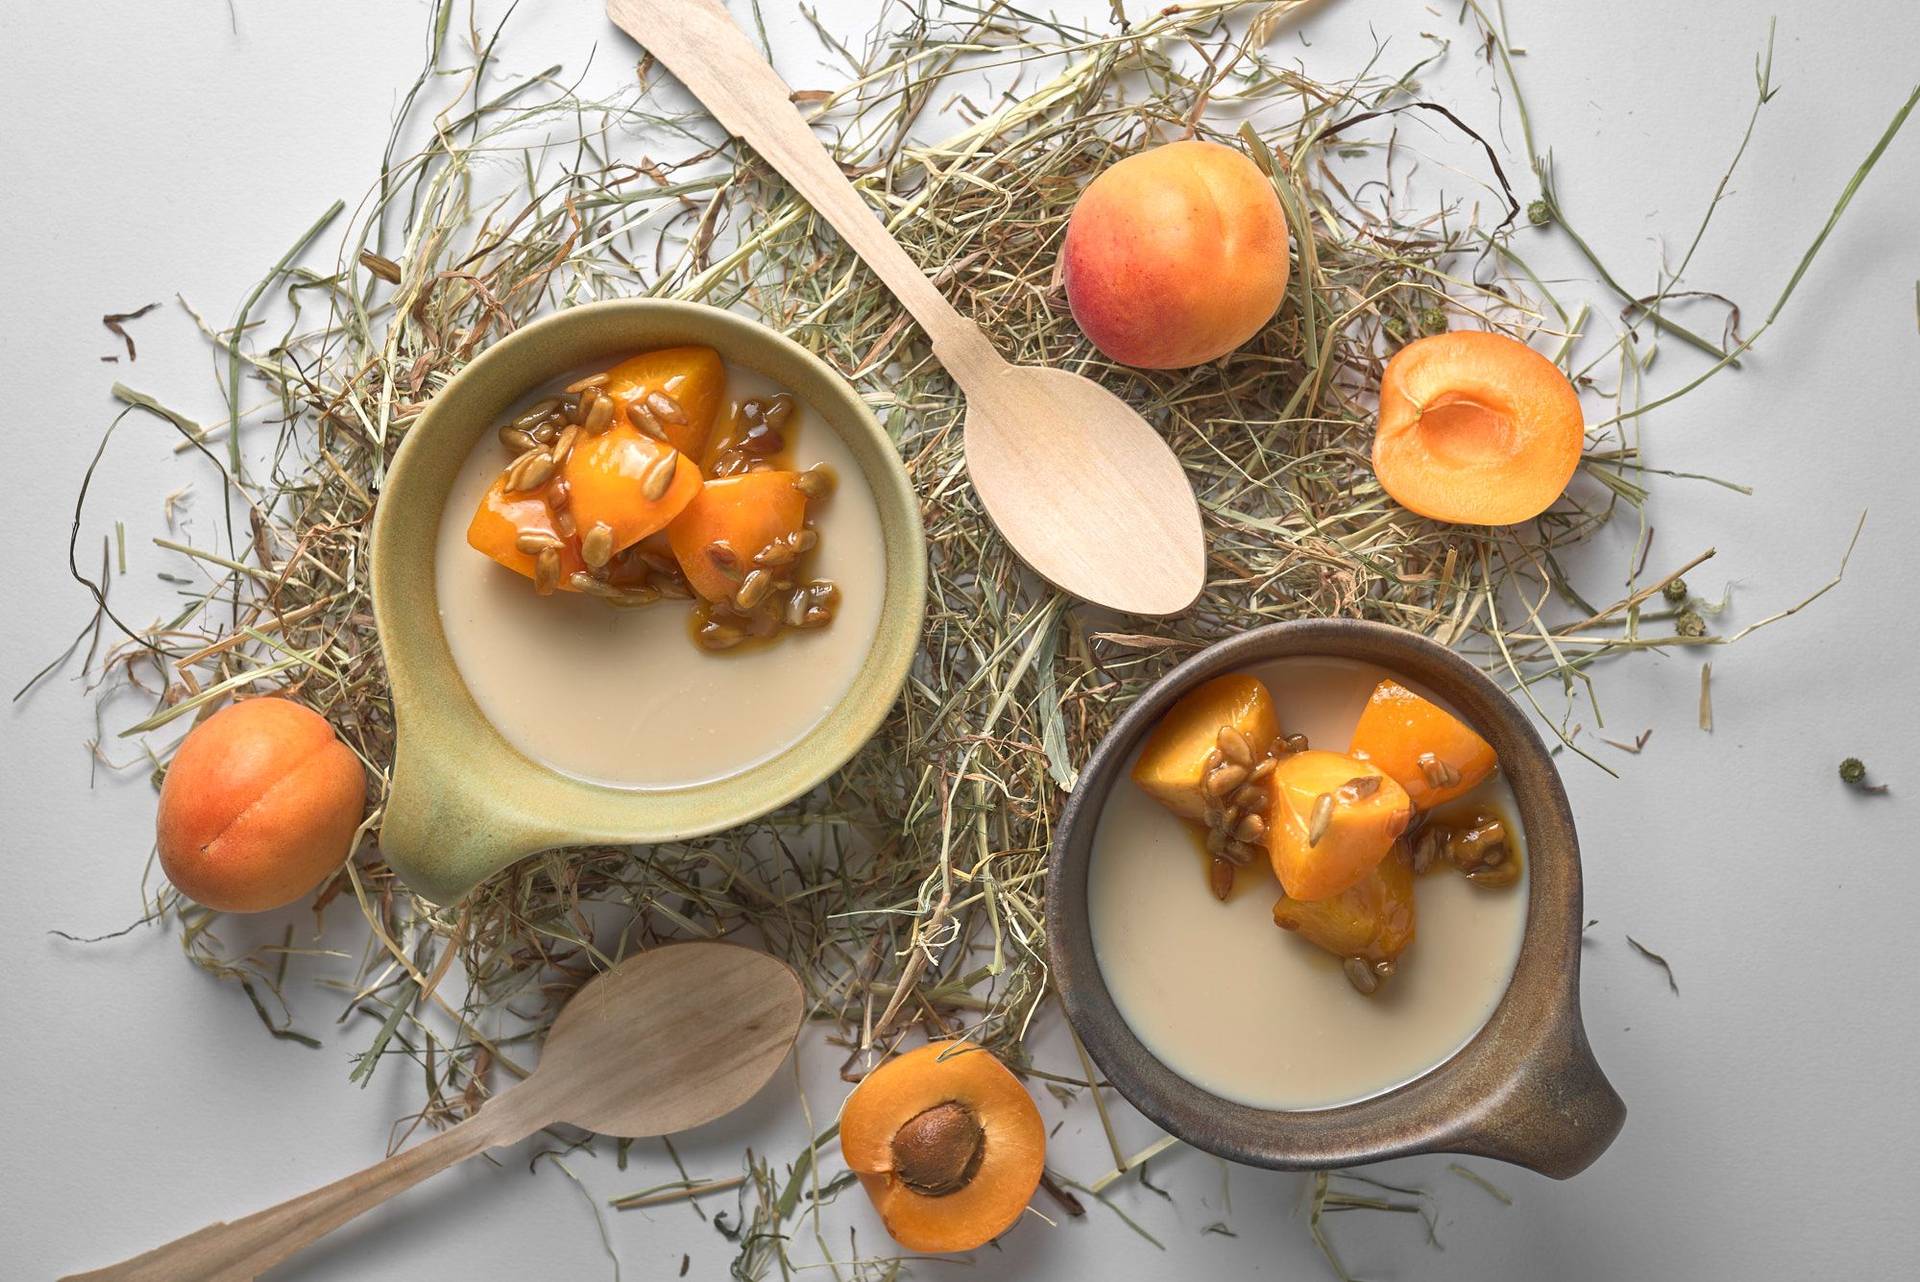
<point>241,1250</point>
<point>698,42</point>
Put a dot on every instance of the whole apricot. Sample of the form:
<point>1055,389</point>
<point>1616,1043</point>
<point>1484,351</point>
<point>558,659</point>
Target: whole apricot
<point>260,803</point>
<point>1176,256</point>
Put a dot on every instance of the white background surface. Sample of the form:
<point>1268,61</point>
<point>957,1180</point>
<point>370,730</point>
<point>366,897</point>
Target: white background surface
<point>152,148</point>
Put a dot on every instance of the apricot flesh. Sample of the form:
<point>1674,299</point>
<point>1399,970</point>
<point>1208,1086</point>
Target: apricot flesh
<point>1333,819</point>
<point>745,512</point>
<point>1173,761</point>
<point>1427,750</point>
<point>259,805</point>
<point>1176,256</point>
<point>947,1144</point>
<point>694,378</point>
<point>1476,428</point>
<point>1373,919</point>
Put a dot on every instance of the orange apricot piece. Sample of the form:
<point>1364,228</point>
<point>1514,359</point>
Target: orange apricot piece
<point>259,805</point>
<point>502,518</point>
<point>746,513</point>
<point>1427,750</point>
<point>1173,761</point>
<point>1476,428</point>
<point>1373,919</point>
<point>609,477</point>
<point>947,1144</point>
<point>692,378</point>
<point>1333,819</point>
<point>1176,255</point>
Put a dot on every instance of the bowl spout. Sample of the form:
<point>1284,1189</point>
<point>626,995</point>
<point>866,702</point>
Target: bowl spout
<point>1555,1115</point>
<point>443,834</point>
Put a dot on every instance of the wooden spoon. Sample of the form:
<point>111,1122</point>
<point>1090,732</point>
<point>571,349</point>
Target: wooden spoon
<point>668,1039</point>
<point>1081,487</point>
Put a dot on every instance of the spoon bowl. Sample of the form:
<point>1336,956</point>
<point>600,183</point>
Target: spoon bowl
<point>669,1039</point>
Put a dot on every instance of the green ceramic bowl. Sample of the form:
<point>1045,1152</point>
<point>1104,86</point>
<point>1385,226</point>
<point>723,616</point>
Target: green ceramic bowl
<point>465,803</point>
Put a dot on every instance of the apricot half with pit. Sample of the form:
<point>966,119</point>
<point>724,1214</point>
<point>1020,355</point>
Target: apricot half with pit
<point>947,1143</point>
<point>1334,818</point>
<point>1476,428</point>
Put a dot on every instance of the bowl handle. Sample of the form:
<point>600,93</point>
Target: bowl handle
<point>444,830</point>
<point>1555,1115</point>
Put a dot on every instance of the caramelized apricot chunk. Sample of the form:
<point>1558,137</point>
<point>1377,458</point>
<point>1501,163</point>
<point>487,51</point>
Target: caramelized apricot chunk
<point>947,1143</point>
<point>502,521</point>
<point>1476,428</point>
<point>1333,819</point>
<point>729,522</point>
<point>1373,919</point>
<point>1173,764</point>
<point>629,482</point>
<point>677,388</point>
<point>1426,749</point>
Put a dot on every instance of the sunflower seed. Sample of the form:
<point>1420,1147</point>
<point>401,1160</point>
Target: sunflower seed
<point>778,552</point>
<point>1295,743</point>
<point>571,409</point>
<point>534,542</point>
<point>825,592</point>
<point>599,416</point>
<point>816,482</point>
<point>624,597</point>
<point>817,616</point>
<point>596,382</point>
<point>1438,773</point>
<point>546,571</point>
<point>1235,746</point>
<point>517,439</point>
<point>1262,769</point>
<point>753,589</point>
<point>563,522</point>
<point>666,409</point>
<point>545,432</point>
<point>1359,788</point>
<point>559,494</point>
<point>720,636</point>
<point>1220,878</point>
<point>1322,817</point>
<point>724,558</point>
<point>1245,851</point>
<point>536,414</point>
<point>642,418</point>
<point>1251,828</point>
<point>1361,976</point>
<point>658,477</point>
<point>1251,796</point>
<point>795,612</point>
<point>585,403</point>
<point>596,547</point>
<point>1426,848</point>
<point>563,446</point>
<point>1226,778</point>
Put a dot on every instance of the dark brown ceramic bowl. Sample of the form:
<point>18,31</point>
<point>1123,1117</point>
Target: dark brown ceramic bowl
<point>1525,1089</point>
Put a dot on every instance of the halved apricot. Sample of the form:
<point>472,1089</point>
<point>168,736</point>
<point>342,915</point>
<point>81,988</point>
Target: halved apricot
<point>1373,919</point>
<point>746,513</point>
<point>947,1144</point>
<point>1426,749</point>
<point>502,518</point>
<point>692,379</point>
<point>1173,761</point>
<point>1476,428</point>
<point>609,477</point>
<point>1334,818</point>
